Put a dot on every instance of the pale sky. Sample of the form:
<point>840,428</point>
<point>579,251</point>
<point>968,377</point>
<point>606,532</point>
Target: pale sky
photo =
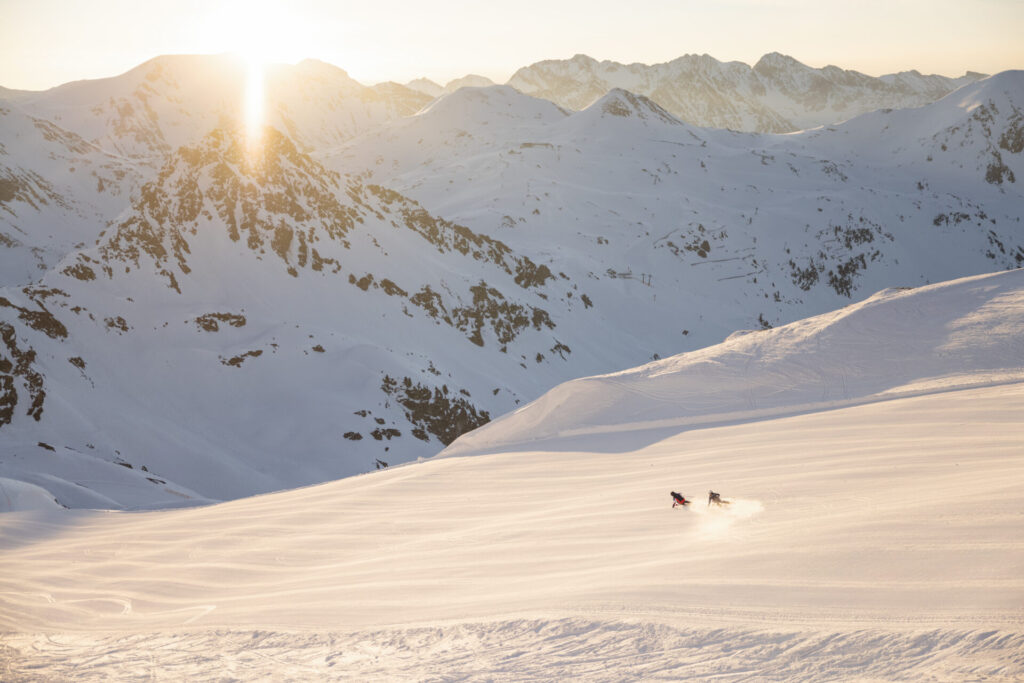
<point>48,42</point>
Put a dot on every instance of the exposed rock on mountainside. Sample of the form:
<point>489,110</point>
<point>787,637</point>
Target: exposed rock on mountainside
<point>18,378</point>
<point>260,201</point>
<point>436,411</point>
<point>279,237</point>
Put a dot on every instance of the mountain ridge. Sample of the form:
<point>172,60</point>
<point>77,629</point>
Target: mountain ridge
<point>777,95</point>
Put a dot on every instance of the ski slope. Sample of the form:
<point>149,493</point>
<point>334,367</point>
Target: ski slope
<point>872,539</point>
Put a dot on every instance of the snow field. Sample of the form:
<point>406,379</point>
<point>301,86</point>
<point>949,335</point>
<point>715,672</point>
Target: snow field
<point>871,542</point>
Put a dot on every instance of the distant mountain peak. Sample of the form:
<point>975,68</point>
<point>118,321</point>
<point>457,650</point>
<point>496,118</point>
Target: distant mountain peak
<point>426,86</point>
<point>777,58</point>
<point>485,104</point>
<point>469,81</point>
<point>624,104</point>
<point>312,66</point>
<point>773,62</point>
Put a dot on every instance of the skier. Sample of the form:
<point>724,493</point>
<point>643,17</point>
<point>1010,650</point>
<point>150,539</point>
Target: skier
<point>679,499</point>
<point>716,498</point>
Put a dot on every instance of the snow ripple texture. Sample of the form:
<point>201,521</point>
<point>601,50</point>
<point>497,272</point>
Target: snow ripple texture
<point>524,650</point>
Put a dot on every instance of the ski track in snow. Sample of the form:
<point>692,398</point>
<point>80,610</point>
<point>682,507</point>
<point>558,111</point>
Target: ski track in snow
<point>523,650</point>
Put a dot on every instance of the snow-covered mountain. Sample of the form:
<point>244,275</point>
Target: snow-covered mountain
<point>216,321</point>
<point>871,462</point>
<point>468,81</point>
<point>426,86</point>
<point>433,90</point>
<point>231,293</point>
<point>665,222</point>
<point>776,95</point>
<point>76,153</point>
<point>174,100</point>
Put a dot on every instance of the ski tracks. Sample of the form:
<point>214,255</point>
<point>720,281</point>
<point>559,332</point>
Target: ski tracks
<point>523,650</point>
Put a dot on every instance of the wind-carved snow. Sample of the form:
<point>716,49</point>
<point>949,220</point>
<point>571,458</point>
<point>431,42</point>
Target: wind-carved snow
<point>20,496</point>
<point>542,649</point>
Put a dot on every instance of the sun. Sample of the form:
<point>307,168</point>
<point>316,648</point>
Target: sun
<point>258,33</point>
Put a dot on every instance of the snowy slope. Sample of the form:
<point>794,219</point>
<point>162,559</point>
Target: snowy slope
<point>976,131</point>
<point>899,342</point>
<point>57,191</point>
<point>877,540</point>
<point>777,95</point>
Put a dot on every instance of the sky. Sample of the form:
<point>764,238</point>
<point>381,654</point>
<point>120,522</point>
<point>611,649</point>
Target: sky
<point>44,43</point>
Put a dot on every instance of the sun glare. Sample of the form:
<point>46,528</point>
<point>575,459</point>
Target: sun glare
<point>255,102</point>
<point>258,33</point>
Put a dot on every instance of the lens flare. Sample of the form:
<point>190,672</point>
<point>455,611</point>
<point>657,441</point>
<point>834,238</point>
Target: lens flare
<point>255,103</point>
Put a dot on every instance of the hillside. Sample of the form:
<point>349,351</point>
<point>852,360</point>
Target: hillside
<point>872,533</point>
<point>899,342</point>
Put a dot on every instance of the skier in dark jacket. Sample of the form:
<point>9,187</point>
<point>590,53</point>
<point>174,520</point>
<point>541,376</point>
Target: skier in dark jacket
<point>716,498</point>
<point>679,499</point>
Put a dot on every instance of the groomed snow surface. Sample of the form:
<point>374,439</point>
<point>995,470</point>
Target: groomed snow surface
<point>872,535</point>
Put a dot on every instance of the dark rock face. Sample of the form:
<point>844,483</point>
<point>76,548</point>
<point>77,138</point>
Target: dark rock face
<point>436,412</point>
<point>211,322</point>
<point>18,377</point>
<point>261,202</point>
